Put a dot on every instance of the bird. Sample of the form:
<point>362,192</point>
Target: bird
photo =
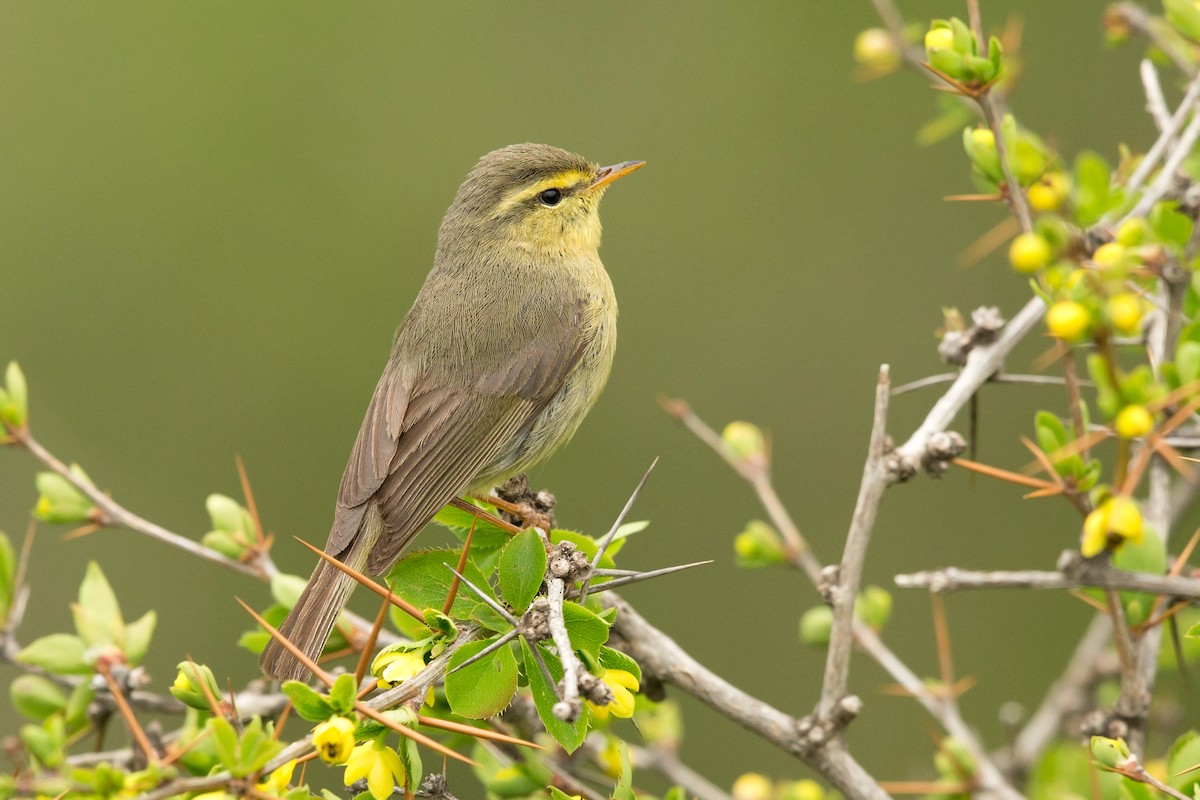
<point>506,347</point>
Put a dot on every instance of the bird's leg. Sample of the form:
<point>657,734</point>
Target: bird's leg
<point>525,507</point>
<point>478,512</point>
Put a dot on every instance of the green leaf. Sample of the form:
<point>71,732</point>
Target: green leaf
<point>1150,555</point>
<point>569,735</point>
<point>522,569</point>
<point>308,704</point>
<point>76,712</point>
<point>1184,757</point>
<point>226,741</point>
<point>410,757</point>
<point>8,569</point>
<point>1193,632</point>
<point>489,618</point>
<point>615,659</point>
<point>586,629</point>
<point>98,615</point>
<point>624,788</point>
<point>422,579</point>
<point>485,688</point>
<point>1184,16</point>
<point>343,694</point>
<point>137,638</point>
<point>37,697</point>
<point>60,653</point>
<point>1092,187</point>
<point>486,538</point>
<point>584,543</point>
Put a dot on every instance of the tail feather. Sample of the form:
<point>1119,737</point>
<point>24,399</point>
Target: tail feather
<point>312,618</point>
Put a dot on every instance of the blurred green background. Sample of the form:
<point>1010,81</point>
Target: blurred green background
<point>213,215</point>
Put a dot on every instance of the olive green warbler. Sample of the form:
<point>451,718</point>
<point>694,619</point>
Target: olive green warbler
<point>505,349</point>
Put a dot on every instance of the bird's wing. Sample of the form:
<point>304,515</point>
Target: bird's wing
<point>423,440</point>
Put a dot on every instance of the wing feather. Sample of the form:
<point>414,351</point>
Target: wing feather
<point>424,439</point>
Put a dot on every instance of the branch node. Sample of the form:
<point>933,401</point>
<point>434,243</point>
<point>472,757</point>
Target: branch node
<point>535,622</point>
<point>828,583</point>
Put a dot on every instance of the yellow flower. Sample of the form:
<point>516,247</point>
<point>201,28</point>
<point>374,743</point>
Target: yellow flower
<point>334,739</point>
<point>1114,521</point>
<point>1049,193</point>
<point>397,666</point>
<point>1125,311</point>
<point>623,684</point>
<point>277,782</point>
<point>379,764</point>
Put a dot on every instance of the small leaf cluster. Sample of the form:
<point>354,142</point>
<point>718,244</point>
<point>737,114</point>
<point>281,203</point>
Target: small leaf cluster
<point>100,632</point>
<point>953,50</point>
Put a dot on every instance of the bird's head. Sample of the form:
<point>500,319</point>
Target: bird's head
<point>539,199</point>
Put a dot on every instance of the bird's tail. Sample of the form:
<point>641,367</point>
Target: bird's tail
<point>312,618</point>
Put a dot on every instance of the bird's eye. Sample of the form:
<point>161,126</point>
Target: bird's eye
<point>550,197</point>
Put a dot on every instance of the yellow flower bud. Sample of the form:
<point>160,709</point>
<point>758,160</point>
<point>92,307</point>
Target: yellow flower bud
<point>1029,252</point>
<point>1133,421</point>
<point>1049,193</point>
<point>744,439</point>
<point>939,39</point>
<point>334,739</point>
<point>1133,231</point>
<point>1125,311</point>
<point>983,137</point>
<point>752,786</point>
<point>1068,320</point>
<point>1109,255</point>
<point>875,48</point>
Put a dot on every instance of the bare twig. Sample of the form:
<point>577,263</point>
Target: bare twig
<point>1074,572</point>
<point>949,377</point>
<point>982,362</point>
<point>661,657</point>
<point>843,593</point>
<point>568,706</point>
<point>1156,104</point>
<point>115,514</point>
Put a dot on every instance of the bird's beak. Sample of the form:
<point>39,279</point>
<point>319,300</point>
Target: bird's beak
<point>607,175</point>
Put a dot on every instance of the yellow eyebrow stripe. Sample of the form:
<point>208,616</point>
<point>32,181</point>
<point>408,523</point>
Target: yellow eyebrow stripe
<point>559,180</point>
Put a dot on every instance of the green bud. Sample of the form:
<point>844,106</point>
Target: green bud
<point>800,790</point>
<point>745,440</point>
<point>224,543</point>
<point>228,515</point>
<point>36,697</point>
<point>874,607</point>
<point>59,502</point>
<point>1109,752</point>
<point>758,546</point>
<point>188,688</point>
<point>14,399</point>
<point>816,625</point>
